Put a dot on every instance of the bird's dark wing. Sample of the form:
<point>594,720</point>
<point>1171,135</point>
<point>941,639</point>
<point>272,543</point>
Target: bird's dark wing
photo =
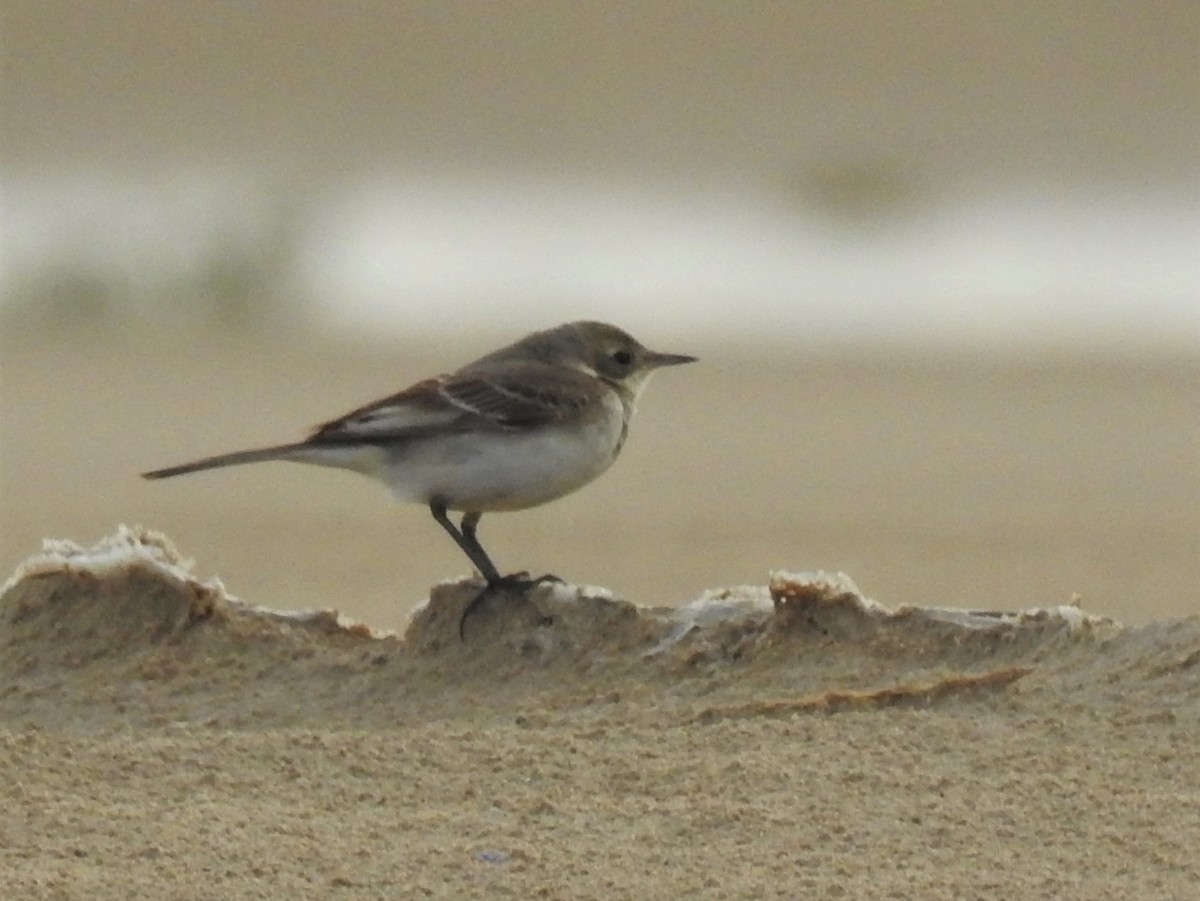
<point>505,398</point>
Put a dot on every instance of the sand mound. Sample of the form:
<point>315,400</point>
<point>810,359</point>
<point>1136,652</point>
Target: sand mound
<point>795,738</point>
<point>125,629</point>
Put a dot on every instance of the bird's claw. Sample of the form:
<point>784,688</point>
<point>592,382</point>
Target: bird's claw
<point>519,581</point>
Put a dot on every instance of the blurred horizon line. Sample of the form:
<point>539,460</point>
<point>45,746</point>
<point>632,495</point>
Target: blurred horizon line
<point>424,254</point>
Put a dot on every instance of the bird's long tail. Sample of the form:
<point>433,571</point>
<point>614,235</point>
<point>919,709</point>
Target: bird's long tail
<point>280,452</point>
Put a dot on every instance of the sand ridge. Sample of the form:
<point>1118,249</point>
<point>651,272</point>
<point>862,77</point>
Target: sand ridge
<point>165,739</point>
<point>142,619</point>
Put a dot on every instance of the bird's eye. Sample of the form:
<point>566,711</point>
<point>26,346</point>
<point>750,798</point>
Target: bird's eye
<point>622,357</point>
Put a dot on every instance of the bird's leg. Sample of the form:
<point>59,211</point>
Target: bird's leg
<point>514,580</point>
<point>470,522</point>
<point>465,539</point>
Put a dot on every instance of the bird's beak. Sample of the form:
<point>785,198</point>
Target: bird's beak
<point>654,360</point>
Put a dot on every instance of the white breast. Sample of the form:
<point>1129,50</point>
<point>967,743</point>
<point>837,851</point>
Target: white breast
<point>506,470</point>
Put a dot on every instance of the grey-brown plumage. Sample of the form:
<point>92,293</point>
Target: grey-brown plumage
<point>518,427</point>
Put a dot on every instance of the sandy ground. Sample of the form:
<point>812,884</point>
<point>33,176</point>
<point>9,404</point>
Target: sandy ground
<point>163,740</point>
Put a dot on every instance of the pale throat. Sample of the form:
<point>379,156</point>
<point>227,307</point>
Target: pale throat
<point>628,389</point>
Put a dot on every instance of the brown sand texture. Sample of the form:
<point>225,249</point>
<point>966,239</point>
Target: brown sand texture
<point>163,739</point>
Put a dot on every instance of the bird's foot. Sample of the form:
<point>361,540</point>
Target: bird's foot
<point>513,582</point>
<point>523,580</point>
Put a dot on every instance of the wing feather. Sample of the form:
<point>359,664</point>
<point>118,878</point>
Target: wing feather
<point>506,398</point>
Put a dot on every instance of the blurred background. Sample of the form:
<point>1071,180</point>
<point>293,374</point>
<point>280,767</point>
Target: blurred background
<point>941,262</point>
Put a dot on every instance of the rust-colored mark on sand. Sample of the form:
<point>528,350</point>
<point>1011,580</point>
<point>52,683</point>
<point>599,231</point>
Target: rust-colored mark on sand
<point>921,695</point>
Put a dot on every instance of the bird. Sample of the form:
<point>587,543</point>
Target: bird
<point>519,427</point>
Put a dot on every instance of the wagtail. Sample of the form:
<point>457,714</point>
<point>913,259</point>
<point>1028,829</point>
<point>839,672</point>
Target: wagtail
<point>522,426</point>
